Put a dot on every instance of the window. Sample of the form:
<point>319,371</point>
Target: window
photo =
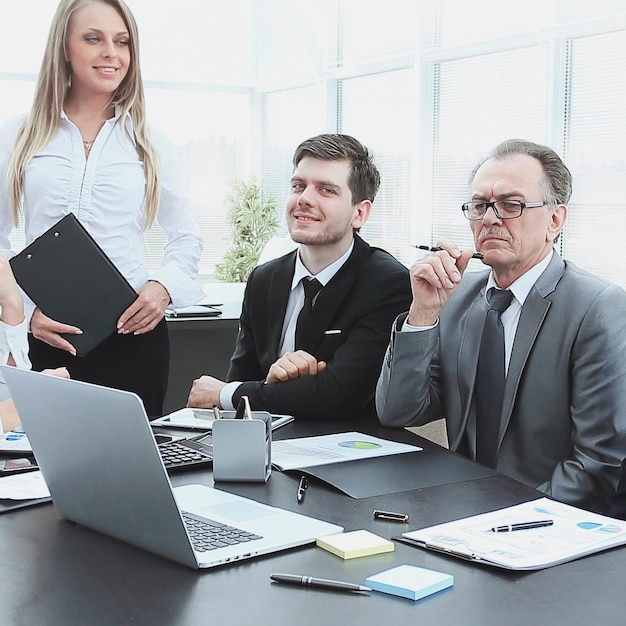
<point>595,140</point>
<point>429,87</point>
<point>287,118</point>
<point>387,126</point>
<point>211,131</point>
<point>365,85</point>
<point>551,73</point>
<point>479,101</point>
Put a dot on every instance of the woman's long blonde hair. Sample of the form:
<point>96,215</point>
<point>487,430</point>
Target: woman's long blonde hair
<point>52,87</point>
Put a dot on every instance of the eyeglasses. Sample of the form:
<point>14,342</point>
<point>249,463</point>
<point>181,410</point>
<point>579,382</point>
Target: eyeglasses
<point>504,209</point>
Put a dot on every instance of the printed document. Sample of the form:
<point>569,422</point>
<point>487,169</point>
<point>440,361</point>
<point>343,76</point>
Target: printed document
<point>24,486</point>
<point>325,449</point>
<point>573,533</point>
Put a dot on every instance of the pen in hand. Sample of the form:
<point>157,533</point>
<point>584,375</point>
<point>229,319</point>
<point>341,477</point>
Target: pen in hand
<point>521,526</point>
<point>302,487</point>
<point>476,255</point>
<point>309,581</point>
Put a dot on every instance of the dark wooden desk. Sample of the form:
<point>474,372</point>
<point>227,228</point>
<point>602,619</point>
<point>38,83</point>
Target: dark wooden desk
<point>54,572</point>
<point>199,346</point>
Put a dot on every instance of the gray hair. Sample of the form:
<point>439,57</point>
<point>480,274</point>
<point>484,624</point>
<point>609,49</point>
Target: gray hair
<point>558,178</point>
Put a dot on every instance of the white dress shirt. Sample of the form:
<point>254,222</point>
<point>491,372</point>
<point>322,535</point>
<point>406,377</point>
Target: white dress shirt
<point>106,193</point>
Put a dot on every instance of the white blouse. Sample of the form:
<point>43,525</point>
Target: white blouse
<point>106,193</point>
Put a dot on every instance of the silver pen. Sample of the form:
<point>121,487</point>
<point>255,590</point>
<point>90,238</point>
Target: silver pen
<point>507,528</point>
<point>323,583</point>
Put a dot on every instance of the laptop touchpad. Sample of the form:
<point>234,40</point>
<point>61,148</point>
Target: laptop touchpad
<point>237,511</point>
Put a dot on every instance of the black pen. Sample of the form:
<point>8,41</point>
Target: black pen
<point>302,487</point>
<point>476,255</point>
<point>521,526</point>
<point>309,581</point>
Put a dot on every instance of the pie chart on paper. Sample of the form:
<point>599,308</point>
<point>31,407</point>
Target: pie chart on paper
<point>360,445</point>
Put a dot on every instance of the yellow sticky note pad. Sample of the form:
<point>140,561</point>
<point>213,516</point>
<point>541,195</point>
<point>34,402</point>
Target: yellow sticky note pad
<point>354,544</point>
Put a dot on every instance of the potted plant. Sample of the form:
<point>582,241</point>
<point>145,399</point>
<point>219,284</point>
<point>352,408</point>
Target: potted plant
<point>254,222</point>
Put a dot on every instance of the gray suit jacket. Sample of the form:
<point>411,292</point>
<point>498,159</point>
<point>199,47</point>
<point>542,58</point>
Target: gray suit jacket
<point>563,426</point>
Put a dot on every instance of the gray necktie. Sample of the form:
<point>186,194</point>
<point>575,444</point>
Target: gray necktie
<point>490,377</point>
<point>312,287</point>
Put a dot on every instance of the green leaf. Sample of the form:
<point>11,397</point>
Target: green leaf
<point>253,221</point>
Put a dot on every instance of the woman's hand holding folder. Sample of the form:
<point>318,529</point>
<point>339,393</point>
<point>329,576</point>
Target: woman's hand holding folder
<point>146,311</point>
<point>46,329</point>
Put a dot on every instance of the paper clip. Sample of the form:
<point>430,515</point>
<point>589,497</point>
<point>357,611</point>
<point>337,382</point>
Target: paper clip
<point>391,517</point>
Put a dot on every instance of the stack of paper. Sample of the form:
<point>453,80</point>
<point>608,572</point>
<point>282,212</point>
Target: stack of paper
<point>354,544</point>
<point>410,581</point>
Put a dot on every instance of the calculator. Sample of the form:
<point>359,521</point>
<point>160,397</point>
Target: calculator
<point>186,453</point>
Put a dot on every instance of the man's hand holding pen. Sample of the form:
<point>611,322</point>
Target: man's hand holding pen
<point>434,279</point>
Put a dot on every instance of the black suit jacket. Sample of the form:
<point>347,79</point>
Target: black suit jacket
<point>359,305</point>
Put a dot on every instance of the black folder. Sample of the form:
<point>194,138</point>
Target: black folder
<point>396,473</point>
<point>68,276</point>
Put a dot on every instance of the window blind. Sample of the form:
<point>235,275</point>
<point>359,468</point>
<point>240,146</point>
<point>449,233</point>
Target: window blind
<point>595,139</point>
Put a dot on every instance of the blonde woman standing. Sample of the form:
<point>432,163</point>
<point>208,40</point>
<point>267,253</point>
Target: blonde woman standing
<point>85,148</point>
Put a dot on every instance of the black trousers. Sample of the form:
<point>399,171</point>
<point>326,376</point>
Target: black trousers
<point>137,363</point>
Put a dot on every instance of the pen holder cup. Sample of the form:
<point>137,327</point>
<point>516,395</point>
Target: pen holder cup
<point>242,448</point>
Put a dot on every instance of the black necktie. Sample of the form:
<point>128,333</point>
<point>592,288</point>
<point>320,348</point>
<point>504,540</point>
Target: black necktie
<point>312,287</point>
<point>490,378</point>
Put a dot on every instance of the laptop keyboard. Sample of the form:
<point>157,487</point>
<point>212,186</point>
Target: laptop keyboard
<point>177,454</point>
<point>208,535</point>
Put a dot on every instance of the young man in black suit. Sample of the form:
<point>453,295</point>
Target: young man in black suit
<point>330,371</point>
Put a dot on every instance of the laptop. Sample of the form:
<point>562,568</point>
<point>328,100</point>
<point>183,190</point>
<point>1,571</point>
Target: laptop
<point>96,451</point>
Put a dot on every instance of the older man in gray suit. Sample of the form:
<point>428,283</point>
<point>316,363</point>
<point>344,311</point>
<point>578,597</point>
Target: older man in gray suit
<point>560,423</point>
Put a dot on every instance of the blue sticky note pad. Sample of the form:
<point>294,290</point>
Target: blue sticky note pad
<point>410,581</point>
